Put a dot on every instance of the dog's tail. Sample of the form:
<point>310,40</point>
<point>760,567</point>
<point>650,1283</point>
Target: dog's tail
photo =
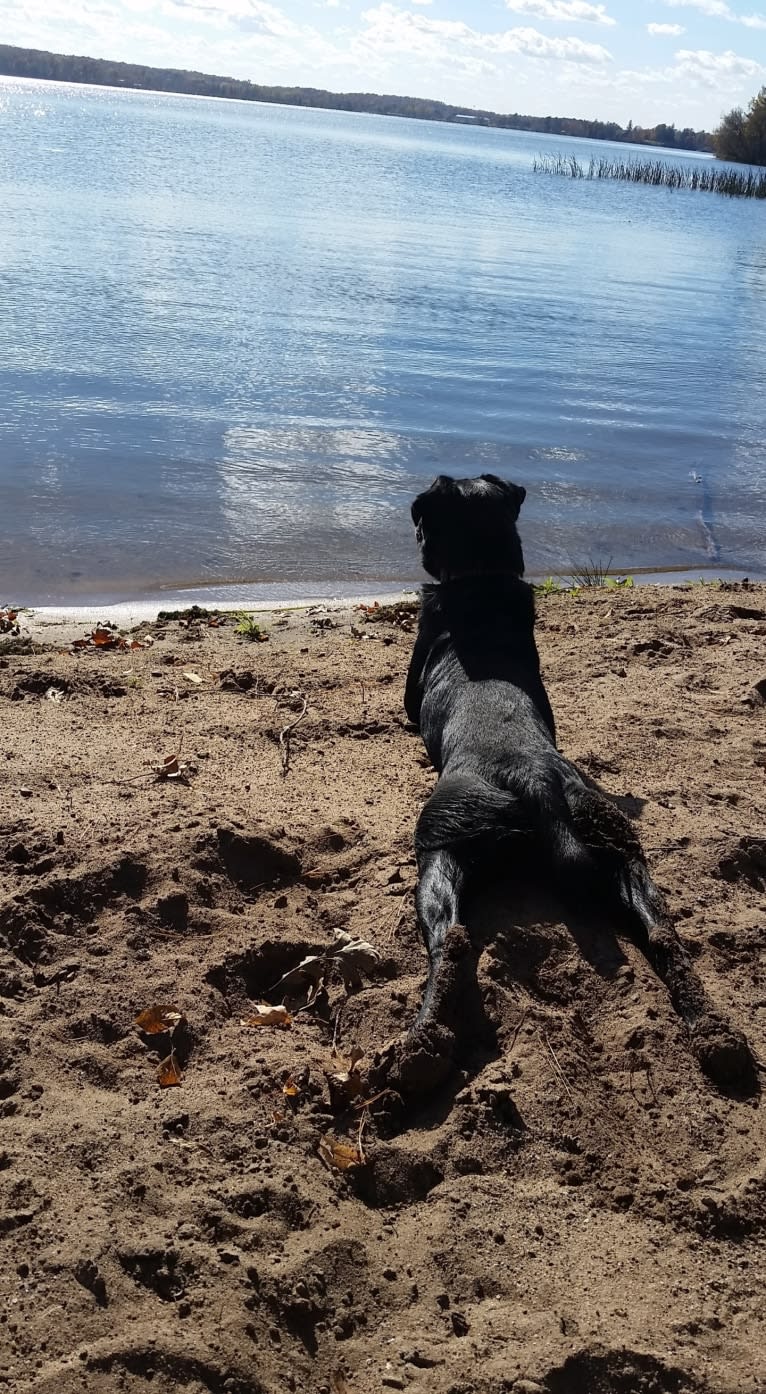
<point>464,808</point>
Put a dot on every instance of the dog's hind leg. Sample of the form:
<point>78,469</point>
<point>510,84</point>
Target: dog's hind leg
<point>602,843</point>
<point>723,1052</point>
<point>461,814</point>
<point>441,884</point>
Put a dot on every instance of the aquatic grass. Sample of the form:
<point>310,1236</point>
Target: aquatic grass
<point>592,573</point>
<point>732,183</point>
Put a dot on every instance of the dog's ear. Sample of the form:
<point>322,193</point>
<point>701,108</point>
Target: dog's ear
<point>519,495</point>
<point>441,485</point>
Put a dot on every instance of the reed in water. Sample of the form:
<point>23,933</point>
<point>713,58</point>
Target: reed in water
<point>735,183</point>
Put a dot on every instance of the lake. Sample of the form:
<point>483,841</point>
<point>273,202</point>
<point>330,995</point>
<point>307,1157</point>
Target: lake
<point>236,339</point>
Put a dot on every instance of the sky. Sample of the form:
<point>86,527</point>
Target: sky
<point>682,61</point>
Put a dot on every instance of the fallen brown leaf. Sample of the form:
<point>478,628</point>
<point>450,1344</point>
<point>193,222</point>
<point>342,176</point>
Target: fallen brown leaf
<point>266,1015</point>
<point>339,1156</point>
<point>156,1020</point>
<point>169,1071</point>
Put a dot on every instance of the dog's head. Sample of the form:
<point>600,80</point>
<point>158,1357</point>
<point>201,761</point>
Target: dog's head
<point>467,527</point>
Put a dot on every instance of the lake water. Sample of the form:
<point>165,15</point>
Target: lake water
<point>236,339</point>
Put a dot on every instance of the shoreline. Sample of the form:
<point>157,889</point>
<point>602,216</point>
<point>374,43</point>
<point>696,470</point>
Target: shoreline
<point>38,620</point>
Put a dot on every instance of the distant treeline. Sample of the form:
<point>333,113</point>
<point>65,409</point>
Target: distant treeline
<point>59,67</point>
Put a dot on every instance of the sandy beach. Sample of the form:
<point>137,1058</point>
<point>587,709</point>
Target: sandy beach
<point>186,815</point>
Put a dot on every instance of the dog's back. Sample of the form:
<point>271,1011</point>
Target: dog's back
<point>474,686</point>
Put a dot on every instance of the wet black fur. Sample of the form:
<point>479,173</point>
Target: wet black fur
<point>475,691</point>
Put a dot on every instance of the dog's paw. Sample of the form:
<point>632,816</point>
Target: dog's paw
<point>724,1055</point>
<point>418,1063</point>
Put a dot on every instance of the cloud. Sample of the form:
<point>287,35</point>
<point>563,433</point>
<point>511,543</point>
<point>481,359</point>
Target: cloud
<point>675,30</point>
<point>724,74</point>
<point>253,16</point>
<point>716,69</point>
<point>392,30</point>
<point>567,10</point>
<point>718,9</point>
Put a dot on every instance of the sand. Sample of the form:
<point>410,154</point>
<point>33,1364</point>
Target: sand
<point>578,1212</point>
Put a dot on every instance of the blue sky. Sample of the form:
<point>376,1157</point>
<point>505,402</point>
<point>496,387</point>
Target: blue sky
<point>650,60</point>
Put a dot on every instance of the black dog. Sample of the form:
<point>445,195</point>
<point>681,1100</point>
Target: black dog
<point>475,691</point>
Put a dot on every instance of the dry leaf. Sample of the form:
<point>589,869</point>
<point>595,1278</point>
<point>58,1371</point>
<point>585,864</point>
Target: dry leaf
<point>103,638</point>
<point>341,937</point>
<point>339,1156</point>
<point>193,677</point>
<point>313,968</point>
<point>290,1089</point>
<point>266,1015</point>
<point>156,1020</point>
<point>355,959</point>
<point>172,768</point>
<point>345,1087</point>
<point>169,1072</point>
<point>278,1117</point>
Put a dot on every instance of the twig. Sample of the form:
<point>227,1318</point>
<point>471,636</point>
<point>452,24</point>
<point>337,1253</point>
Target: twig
<point>519,1025</point>
<point>285,734</point>
<point>394,930</point>
<point>363,1121</point>
<point>556,1065</point>
<point>336,1026</point>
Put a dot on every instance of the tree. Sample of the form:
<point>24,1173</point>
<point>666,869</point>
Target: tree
<point>756,128</point>
<point>741,135</point>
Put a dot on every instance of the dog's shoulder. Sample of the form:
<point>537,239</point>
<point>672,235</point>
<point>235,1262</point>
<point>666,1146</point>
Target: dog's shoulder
<point>432,635</point>
<point>489,604</point>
